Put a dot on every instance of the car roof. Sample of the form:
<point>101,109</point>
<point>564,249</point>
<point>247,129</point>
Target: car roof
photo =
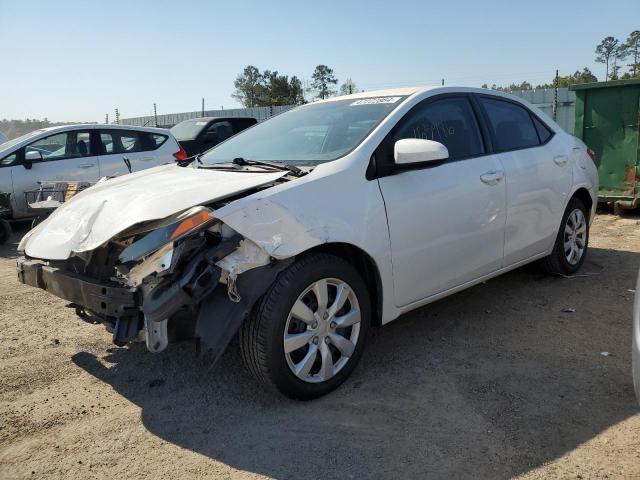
<point>106,126</point>
<point>409,91</point>
<point>207,119</point>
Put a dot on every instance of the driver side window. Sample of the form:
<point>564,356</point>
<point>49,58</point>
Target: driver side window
<point>450,121</point>
<point>62,145</point>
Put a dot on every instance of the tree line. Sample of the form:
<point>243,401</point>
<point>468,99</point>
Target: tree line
<point>254,88</point>
<point>610,51</point>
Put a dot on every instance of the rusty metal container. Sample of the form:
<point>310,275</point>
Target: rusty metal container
<point>607,120</point>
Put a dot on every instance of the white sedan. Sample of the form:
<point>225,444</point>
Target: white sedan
<point>301,233</point>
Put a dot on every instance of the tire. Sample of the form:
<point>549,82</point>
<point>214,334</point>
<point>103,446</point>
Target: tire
<point>262,335</point>
<point>5,231</point>
<point>557,262</point>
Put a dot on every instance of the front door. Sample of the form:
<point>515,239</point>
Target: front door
<point>66,156</point>
<point>446,222</point>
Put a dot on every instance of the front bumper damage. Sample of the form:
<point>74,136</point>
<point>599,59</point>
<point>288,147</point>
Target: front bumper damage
<point>215,285</point>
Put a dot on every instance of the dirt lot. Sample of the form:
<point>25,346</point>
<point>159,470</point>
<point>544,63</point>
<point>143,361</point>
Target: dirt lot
<point>494,382</point>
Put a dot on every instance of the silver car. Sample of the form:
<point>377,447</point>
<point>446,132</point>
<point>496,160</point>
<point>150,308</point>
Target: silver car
<point>80,153</point>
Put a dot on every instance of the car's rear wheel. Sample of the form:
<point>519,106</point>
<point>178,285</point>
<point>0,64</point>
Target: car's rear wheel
<point>570,248</point>
<point>306,335</point>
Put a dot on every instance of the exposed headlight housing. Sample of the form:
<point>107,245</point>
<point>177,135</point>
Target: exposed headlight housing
<point>187,223</point>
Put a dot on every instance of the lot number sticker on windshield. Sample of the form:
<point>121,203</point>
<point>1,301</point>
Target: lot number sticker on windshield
<point>376,100</point>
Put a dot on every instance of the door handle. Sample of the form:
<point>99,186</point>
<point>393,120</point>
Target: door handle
<point>147,159</point>
<point>560,160</point>
<point>86,165</point>
<point>492,177</point>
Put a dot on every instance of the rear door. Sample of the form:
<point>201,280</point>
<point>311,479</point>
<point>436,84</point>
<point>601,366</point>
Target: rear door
<point>121,147</point>
<point>162,146</point>
<point>446,221</point>
<point>538,176</point>
<point>66,156</point>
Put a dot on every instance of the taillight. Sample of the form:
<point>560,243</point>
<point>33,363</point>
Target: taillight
<point>593,155</point>
<point>181,155</point>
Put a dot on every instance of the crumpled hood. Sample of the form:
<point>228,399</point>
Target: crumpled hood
<point>101,212</point>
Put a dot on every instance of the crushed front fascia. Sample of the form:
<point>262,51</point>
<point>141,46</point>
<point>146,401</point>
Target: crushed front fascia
<point>271,227</point>
<point>248,255</point>
<point>155,263</point>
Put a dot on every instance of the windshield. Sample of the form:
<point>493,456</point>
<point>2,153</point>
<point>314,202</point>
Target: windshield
<point>189,129</point>
<point>16,141</point>
<point>307,135</point>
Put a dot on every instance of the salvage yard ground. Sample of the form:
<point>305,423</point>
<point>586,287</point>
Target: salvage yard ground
<point>501,380</point>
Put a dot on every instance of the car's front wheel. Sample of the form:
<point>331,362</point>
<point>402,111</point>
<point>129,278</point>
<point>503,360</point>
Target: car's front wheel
<point>570,248</point>
<point>306,335</point>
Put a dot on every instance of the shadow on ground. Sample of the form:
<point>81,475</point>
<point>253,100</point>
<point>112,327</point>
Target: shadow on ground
<point>490,382</point>
<point>9,249</point>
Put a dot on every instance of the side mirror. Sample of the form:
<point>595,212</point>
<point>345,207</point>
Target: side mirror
<point>30,157</point>
<point>416,150</point>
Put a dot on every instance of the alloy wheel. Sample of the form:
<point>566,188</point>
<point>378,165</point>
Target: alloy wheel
<point>322,330</point>
<point>575,236</point>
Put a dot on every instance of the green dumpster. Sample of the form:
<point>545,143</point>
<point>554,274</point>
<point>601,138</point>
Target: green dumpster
<point>607,121</point>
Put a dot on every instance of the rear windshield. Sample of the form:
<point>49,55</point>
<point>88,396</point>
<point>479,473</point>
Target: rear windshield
<point>189,129</point>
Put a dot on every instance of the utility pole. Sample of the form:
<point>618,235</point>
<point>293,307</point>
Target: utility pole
<point>555,96</point>
<point>443,82</point>
<point>106,119</point>
<point>117,117</point>
<point>155,114</point>
<point>202,107</point>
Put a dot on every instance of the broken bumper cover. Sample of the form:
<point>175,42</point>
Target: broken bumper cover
<point>102,299</point>
<point>218,317</point>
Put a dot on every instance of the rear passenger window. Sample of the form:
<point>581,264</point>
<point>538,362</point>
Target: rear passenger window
<point>511,125</point>
<point>117,141</point>
<point>130,142</point>
<point>106,139</point>
<point>157,140</point>
<point>543,132</point>
<point>450,121</point>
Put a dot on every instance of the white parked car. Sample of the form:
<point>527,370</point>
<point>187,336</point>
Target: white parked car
<point>83,153</point>
<point>302,232</point>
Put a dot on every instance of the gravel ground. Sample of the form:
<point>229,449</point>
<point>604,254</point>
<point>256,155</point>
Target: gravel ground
<point>495,382</point>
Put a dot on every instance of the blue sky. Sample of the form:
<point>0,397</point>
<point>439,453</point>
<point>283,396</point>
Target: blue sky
<point>69,60</point>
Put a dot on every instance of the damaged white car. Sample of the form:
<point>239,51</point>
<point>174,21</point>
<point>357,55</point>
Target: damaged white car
<point>302,232</point>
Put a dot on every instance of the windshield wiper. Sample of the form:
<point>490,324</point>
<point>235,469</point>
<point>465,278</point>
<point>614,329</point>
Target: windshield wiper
<point>289,168</point>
